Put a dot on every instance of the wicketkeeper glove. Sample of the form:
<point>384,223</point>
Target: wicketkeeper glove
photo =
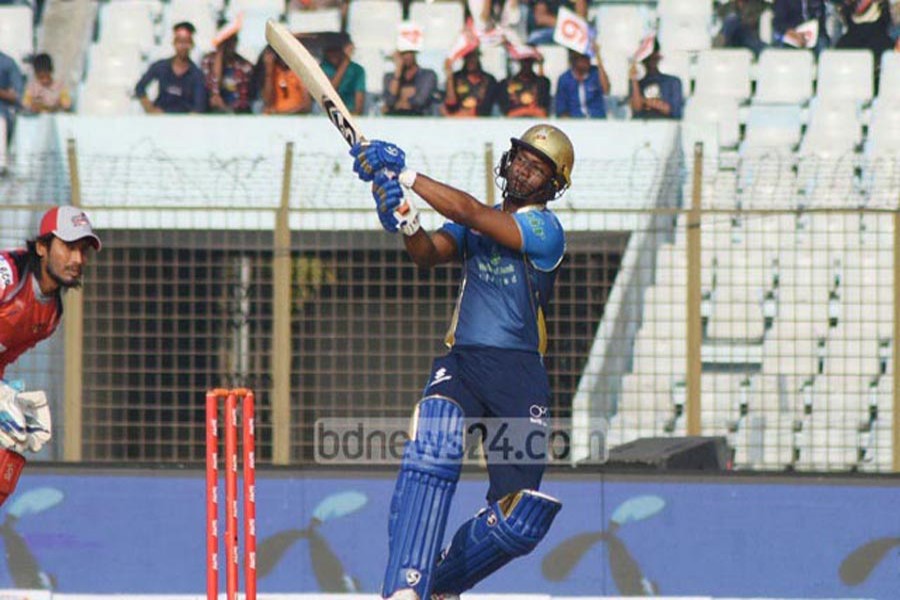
<point>25,422</point>
<point>374,156</point>
<point>395,210</point>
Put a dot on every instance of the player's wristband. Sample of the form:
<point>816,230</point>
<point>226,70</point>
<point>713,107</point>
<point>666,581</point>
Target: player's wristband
<point>407,178</point>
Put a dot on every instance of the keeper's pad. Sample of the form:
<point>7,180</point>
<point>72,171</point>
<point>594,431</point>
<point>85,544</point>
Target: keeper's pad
<point>432,460</point>
<point>11,465</point>
<point>508,528</point>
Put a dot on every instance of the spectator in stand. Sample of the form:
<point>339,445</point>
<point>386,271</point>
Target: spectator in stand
<point>790,14</point>
<point>740,26</point>
<point>542,18</point>
<point>471,90</point>
<point>409,89</point>
<point>347,77</point>
<point>11,84</point>
<point>228,75</point>
<point>868,25</point>
<point>580,90</point>
<point>43,93</point>
<point>182,88</point>
<point>656,95</point>
<point>527,93</point>
<point>283,93</point>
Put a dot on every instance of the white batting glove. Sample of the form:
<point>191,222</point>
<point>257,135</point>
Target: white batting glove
<point>13,434</point>
<point>38,423</point>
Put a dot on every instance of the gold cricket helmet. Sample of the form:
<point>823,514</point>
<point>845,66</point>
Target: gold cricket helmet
<point>554,146</point>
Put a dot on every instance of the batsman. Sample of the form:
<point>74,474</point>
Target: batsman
<point>32,280</point>
<point>494,370</point>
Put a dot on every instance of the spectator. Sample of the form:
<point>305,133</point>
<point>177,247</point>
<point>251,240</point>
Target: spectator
<point>228,75</point>
<point>347,77</point>
<point>542,18</point>
<point>409,89</point>
<point>657,95</point>
<point>740,26</point>
<point>43,93</point>
<point>11,83</point>
<point>789,14</point>
<point>471,90</point>
<point>868,26</point>
<point>580,90</point>
<point>527,93</point>
<point>182,88</point>
<point>283,92</point>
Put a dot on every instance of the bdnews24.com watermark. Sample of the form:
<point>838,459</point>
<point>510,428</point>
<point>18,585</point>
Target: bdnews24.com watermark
<point>381,441</point>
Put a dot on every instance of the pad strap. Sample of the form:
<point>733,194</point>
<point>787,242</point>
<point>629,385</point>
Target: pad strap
<point>510,527</point>
<point>432,461</point>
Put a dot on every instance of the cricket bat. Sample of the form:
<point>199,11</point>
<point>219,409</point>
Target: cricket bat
<point>308,70</point>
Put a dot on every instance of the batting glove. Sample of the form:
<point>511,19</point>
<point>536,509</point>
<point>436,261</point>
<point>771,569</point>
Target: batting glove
<point>395,210</point>
<point>374,156</point>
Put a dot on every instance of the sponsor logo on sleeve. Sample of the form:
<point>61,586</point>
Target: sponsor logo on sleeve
<point>6,273</point>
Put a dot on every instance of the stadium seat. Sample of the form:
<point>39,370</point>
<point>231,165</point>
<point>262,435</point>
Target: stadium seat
<point>889,86</point>
<point>784,77</point>
<point>846,75</point>
<point>833,128</point>
<point>129,22</point>
<point>616,64</point>
<point>682,34</point>
<point>306,21</point>
<point>374,23</point>
<point>99,99</point>
<point>724,72</point>
<point>441,23</point>
<point>722,111</point>
<point>884,129</point>
<point>273,7</point>
<point>494,61</point>
<point>115,64</point>
<point>16,32</point>
<point>620,28</point>
<point>773,127</point>
<point>698,10</point>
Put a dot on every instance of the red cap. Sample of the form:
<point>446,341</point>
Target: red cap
<point>69,224</point>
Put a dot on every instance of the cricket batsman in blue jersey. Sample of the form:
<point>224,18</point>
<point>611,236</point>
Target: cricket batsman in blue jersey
<point>494,369</point>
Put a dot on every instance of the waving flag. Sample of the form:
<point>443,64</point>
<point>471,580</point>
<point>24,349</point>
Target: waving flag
<point>573,32</point>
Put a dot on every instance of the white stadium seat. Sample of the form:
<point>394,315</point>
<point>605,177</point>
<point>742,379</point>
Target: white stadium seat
<point>678,63</point>
<point>129,22</point>
<point>97,98</point>
<point>724,72</point>
<point>620,27</point>
<point>681,34</point>
<point>784,77</point>
<point>441,23</point>
<point>721,110</point>
<point>698,10</point>
<point>374,23</point>
<point>889,87</point>
<point>305,21</point>
<point>115,64</point>
<point>845,74</point>
<point>773,126</point>
<point>556,62</point>
<point>884,129</point>
<point>16,32</point>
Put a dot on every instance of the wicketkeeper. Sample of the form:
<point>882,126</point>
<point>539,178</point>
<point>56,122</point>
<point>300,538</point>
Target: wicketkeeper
<point>32,280</point>
<point>494,369</point>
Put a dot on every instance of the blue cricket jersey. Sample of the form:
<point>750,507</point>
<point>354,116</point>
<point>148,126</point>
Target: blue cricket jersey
<point>504,293</point>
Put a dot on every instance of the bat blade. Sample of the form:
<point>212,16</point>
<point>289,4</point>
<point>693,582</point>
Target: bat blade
<point>308,70</point>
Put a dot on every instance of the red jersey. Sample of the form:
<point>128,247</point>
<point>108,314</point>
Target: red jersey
<point>27,316</point>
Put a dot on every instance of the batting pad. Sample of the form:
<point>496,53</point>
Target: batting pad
<point>432,461</point>
<point>510,527</point>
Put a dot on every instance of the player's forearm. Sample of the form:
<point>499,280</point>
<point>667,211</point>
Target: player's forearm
<point>421,249</point>
<point>454,204</point>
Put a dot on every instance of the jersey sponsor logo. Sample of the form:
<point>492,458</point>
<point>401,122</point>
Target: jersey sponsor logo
<point>440,376</point>
<point>6,273</point>
<point>536,223</point>
<point>538,413</point>
<point>413,577</point>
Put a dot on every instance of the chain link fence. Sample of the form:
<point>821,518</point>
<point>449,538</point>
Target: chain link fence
<point>792,264</point>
